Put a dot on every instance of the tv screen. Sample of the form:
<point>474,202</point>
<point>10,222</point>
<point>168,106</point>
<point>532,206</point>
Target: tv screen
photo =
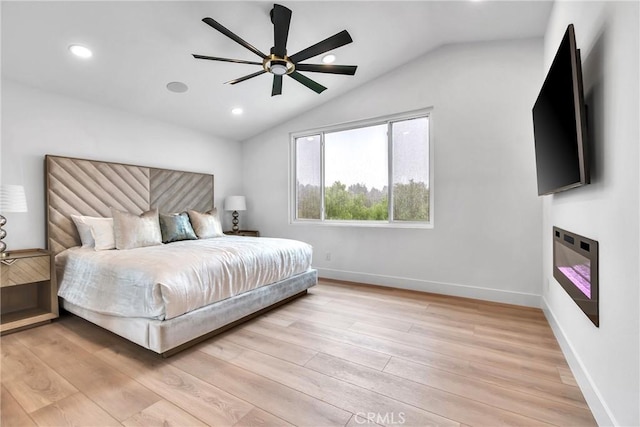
<point>559,123</point>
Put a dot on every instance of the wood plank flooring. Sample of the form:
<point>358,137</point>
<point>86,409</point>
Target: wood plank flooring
<point>343,355</point>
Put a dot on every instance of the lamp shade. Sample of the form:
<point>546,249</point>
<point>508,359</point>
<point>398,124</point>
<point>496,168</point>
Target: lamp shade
<point>235,203</point>
<point>12,198</point>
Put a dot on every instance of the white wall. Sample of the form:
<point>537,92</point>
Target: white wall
<point>486,239</point>
<point>605,360</point>
<point>35,123</point>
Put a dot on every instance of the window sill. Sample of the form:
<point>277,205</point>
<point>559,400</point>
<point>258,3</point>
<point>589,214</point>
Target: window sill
<point>364,224</point>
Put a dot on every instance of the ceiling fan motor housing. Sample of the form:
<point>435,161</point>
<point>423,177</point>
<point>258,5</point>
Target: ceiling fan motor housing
<point>278,66</point>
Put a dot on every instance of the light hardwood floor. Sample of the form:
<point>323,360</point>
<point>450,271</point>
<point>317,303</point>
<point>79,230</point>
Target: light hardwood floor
<point>344,354</point>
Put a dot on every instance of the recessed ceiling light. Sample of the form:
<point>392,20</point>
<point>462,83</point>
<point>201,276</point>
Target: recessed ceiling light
<point>177,87</point>
<point>236,111</point>
<point>329,59</point>
<point>80,51</point>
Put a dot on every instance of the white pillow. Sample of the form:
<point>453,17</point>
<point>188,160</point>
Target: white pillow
<point>84,224</point>
<point>103,234</point>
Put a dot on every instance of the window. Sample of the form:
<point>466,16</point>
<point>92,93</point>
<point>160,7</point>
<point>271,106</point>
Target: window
<point>371,173</point>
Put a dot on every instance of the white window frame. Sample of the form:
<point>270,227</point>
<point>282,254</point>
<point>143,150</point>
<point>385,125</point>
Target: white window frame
<point>425,112</point>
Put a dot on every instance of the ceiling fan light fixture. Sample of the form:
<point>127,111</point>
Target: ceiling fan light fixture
<point>278,66</point>
<point>278,69</point>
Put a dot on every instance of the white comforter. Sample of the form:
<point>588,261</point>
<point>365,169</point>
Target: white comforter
<point>162,282</point>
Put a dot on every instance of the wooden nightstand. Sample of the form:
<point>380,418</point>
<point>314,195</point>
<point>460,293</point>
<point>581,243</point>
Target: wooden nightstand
<point>251,233</point>
<point>29,295</point>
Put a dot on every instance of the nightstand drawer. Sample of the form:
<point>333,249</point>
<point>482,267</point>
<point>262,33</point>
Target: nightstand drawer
<point>18,271</point>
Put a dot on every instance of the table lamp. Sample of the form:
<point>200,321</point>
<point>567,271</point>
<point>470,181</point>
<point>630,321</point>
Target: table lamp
<point>235,204</point>
<point>12,199</point>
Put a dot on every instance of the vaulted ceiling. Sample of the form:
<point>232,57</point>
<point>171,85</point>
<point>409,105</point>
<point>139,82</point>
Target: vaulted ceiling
<point>138,47</point>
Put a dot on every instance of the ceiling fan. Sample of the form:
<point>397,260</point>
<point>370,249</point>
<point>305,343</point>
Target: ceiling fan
<point>277,62</point>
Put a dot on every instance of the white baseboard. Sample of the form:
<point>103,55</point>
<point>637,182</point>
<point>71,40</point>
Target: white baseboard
<point>466,291</point>
<point>598,407</point>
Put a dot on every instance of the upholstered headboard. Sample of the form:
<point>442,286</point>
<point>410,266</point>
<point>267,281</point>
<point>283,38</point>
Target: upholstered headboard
<point>88,187</point>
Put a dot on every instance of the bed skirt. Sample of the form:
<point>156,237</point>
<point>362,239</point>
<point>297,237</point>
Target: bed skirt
<point>170,336</point>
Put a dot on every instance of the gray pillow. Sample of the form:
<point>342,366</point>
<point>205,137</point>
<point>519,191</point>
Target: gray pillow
<point>206,225</point>
<point>135,231</point>
<point>175,227</point>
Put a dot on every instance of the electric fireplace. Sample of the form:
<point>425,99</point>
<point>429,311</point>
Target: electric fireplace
<point>575,267</point>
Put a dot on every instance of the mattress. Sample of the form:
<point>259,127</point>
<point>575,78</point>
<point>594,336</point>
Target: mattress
<point>166,281</point>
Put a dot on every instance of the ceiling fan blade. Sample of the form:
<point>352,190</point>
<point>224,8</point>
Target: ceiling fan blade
<point>216,25</point>
<point>277,85</point>
<point>335,41</point>
<point>328,68</point>
<point>215,58</point>
<point>314,86</point>
<point>241,79</point>
<point>281,18</point>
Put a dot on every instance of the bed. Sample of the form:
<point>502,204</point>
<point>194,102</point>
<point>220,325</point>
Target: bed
<point>163,297</point>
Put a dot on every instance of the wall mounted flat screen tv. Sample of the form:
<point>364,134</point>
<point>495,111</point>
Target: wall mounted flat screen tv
<point>560,123</point>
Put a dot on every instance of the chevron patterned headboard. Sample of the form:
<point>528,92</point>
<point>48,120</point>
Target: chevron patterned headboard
<point>88,187</point>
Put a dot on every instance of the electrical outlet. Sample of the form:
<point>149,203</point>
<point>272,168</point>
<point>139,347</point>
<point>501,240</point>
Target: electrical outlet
<point>327,256</point>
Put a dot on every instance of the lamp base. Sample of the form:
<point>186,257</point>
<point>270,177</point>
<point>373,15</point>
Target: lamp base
<point>3,234</point>
<point>235,222</point>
